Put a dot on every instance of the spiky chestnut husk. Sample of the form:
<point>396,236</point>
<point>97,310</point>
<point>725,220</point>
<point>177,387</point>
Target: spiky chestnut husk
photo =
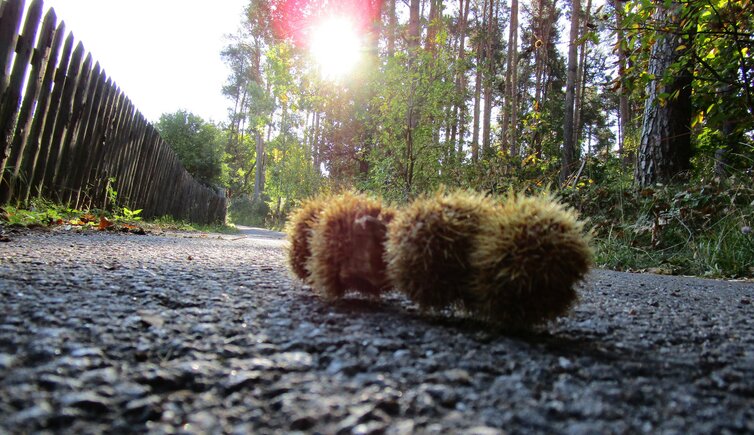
<point>347,246</point>
<point>299,230</point>
<point>429,246</point>
<point>528,256</point>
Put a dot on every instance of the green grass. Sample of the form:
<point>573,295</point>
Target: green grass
<point>170,223</point>
<point>702,228</point>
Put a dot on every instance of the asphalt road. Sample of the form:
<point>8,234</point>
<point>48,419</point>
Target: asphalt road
<point>189,333</point>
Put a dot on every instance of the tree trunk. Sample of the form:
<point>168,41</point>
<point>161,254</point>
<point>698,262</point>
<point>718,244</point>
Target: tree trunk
<point>477,96</point>
<point>511,84</point>
<point>391,25</point>
<point>489,80</point>
<point>435,10</point>
<point>414,29</point>
<point>259,174</point>
<point>458,129</point>
<point>731,136</point>
<point>665,147</point>
<point>578,105</point>
<point>569,147</point>
<point>623,108</point>
<point>545,18</point>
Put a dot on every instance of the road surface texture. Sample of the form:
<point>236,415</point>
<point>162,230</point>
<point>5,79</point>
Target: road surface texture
<point>189,333</point>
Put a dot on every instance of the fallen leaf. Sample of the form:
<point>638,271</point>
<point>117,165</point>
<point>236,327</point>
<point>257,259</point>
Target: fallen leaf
<point>104,223</point>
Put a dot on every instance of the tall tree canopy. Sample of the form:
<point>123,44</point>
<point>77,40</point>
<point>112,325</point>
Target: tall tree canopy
<point>198,144</point>
<point>483,93</point>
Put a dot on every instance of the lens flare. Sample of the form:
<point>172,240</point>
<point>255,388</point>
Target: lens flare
<point>335,46</point>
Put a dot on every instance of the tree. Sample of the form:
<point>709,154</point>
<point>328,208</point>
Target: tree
<point>621,49</point>
<point>569,143</point>
<point>510,107</point>
<point>665,147</point>
<point>198,144</point>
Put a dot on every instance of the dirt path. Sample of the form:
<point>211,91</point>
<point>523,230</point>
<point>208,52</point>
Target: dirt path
<point>122,333</point>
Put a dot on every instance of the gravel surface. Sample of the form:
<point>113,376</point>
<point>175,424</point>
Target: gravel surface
<point>103,332</point>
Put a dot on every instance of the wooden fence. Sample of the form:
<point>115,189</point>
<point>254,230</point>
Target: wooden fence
<point>71,135</point>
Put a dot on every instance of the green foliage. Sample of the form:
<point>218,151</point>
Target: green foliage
<point>411,159</point>
<point>246,211</point>
<point>714,46</point>
<point>198,144</point>
<point>128,215</point>
<point>39,212</point>
<point>111,194</point>
<point>169,223</point>
<point>389,127</point>
<point>702,229</point>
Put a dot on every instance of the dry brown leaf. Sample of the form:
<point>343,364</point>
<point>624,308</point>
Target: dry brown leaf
<point>104,223</point>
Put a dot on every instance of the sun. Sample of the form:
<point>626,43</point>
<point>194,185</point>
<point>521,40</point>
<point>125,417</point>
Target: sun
<point>335,46</point>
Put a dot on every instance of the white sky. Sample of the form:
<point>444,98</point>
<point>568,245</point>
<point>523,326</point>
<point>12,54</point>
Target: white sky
<point>164,54</point>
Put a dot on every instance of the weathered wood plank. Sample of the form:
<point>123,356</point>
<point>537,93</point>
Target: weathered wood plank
<point>118,161</point>
<point>30,102</point>
<point>69,82</point>
<point>68,145</point>
<point>93,178</point>
<point>43,110</point>
<point>10,22</point>
<point>104,118</point>
<point>146,171</point>
<point>114,140</point>
<point>56,99</point>
<point>79,146</point>
<point>133,158</point>
<point>11,101</point>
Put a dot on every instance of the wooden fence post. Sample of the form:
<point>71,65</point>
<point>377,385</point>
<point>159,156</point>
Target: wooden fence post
<point>69,145</point>
<point>25,115</point>
<point>34,146</point>
<point>62,120</point>
<point>9,24</point>
<point>71,130</point>
<point>12,93</point>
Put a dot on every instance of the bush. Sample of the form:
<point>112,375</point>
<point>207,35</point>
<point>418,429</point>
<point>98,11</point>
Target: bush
<point>699,229</point>
<point>245,211</point>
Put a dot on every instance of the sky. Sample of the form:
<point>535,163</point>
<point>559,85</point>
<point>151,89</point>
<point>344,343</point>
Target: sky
<point>164,54</point>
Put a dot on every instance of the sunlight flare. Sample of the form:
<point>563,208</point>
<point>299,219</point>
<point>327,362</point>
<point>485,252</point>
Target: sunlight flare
<point>335,47</point>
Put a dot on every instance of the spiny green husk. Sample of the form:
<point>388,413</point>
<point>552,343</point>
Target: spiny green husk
<point>429,246</point>
<point>299,230</point>
<point>527,259</point>
<point>347,246</point>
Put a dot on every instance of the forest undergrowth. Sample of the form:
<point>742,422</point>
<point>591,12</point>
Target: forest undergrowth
<point>701,226</point>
